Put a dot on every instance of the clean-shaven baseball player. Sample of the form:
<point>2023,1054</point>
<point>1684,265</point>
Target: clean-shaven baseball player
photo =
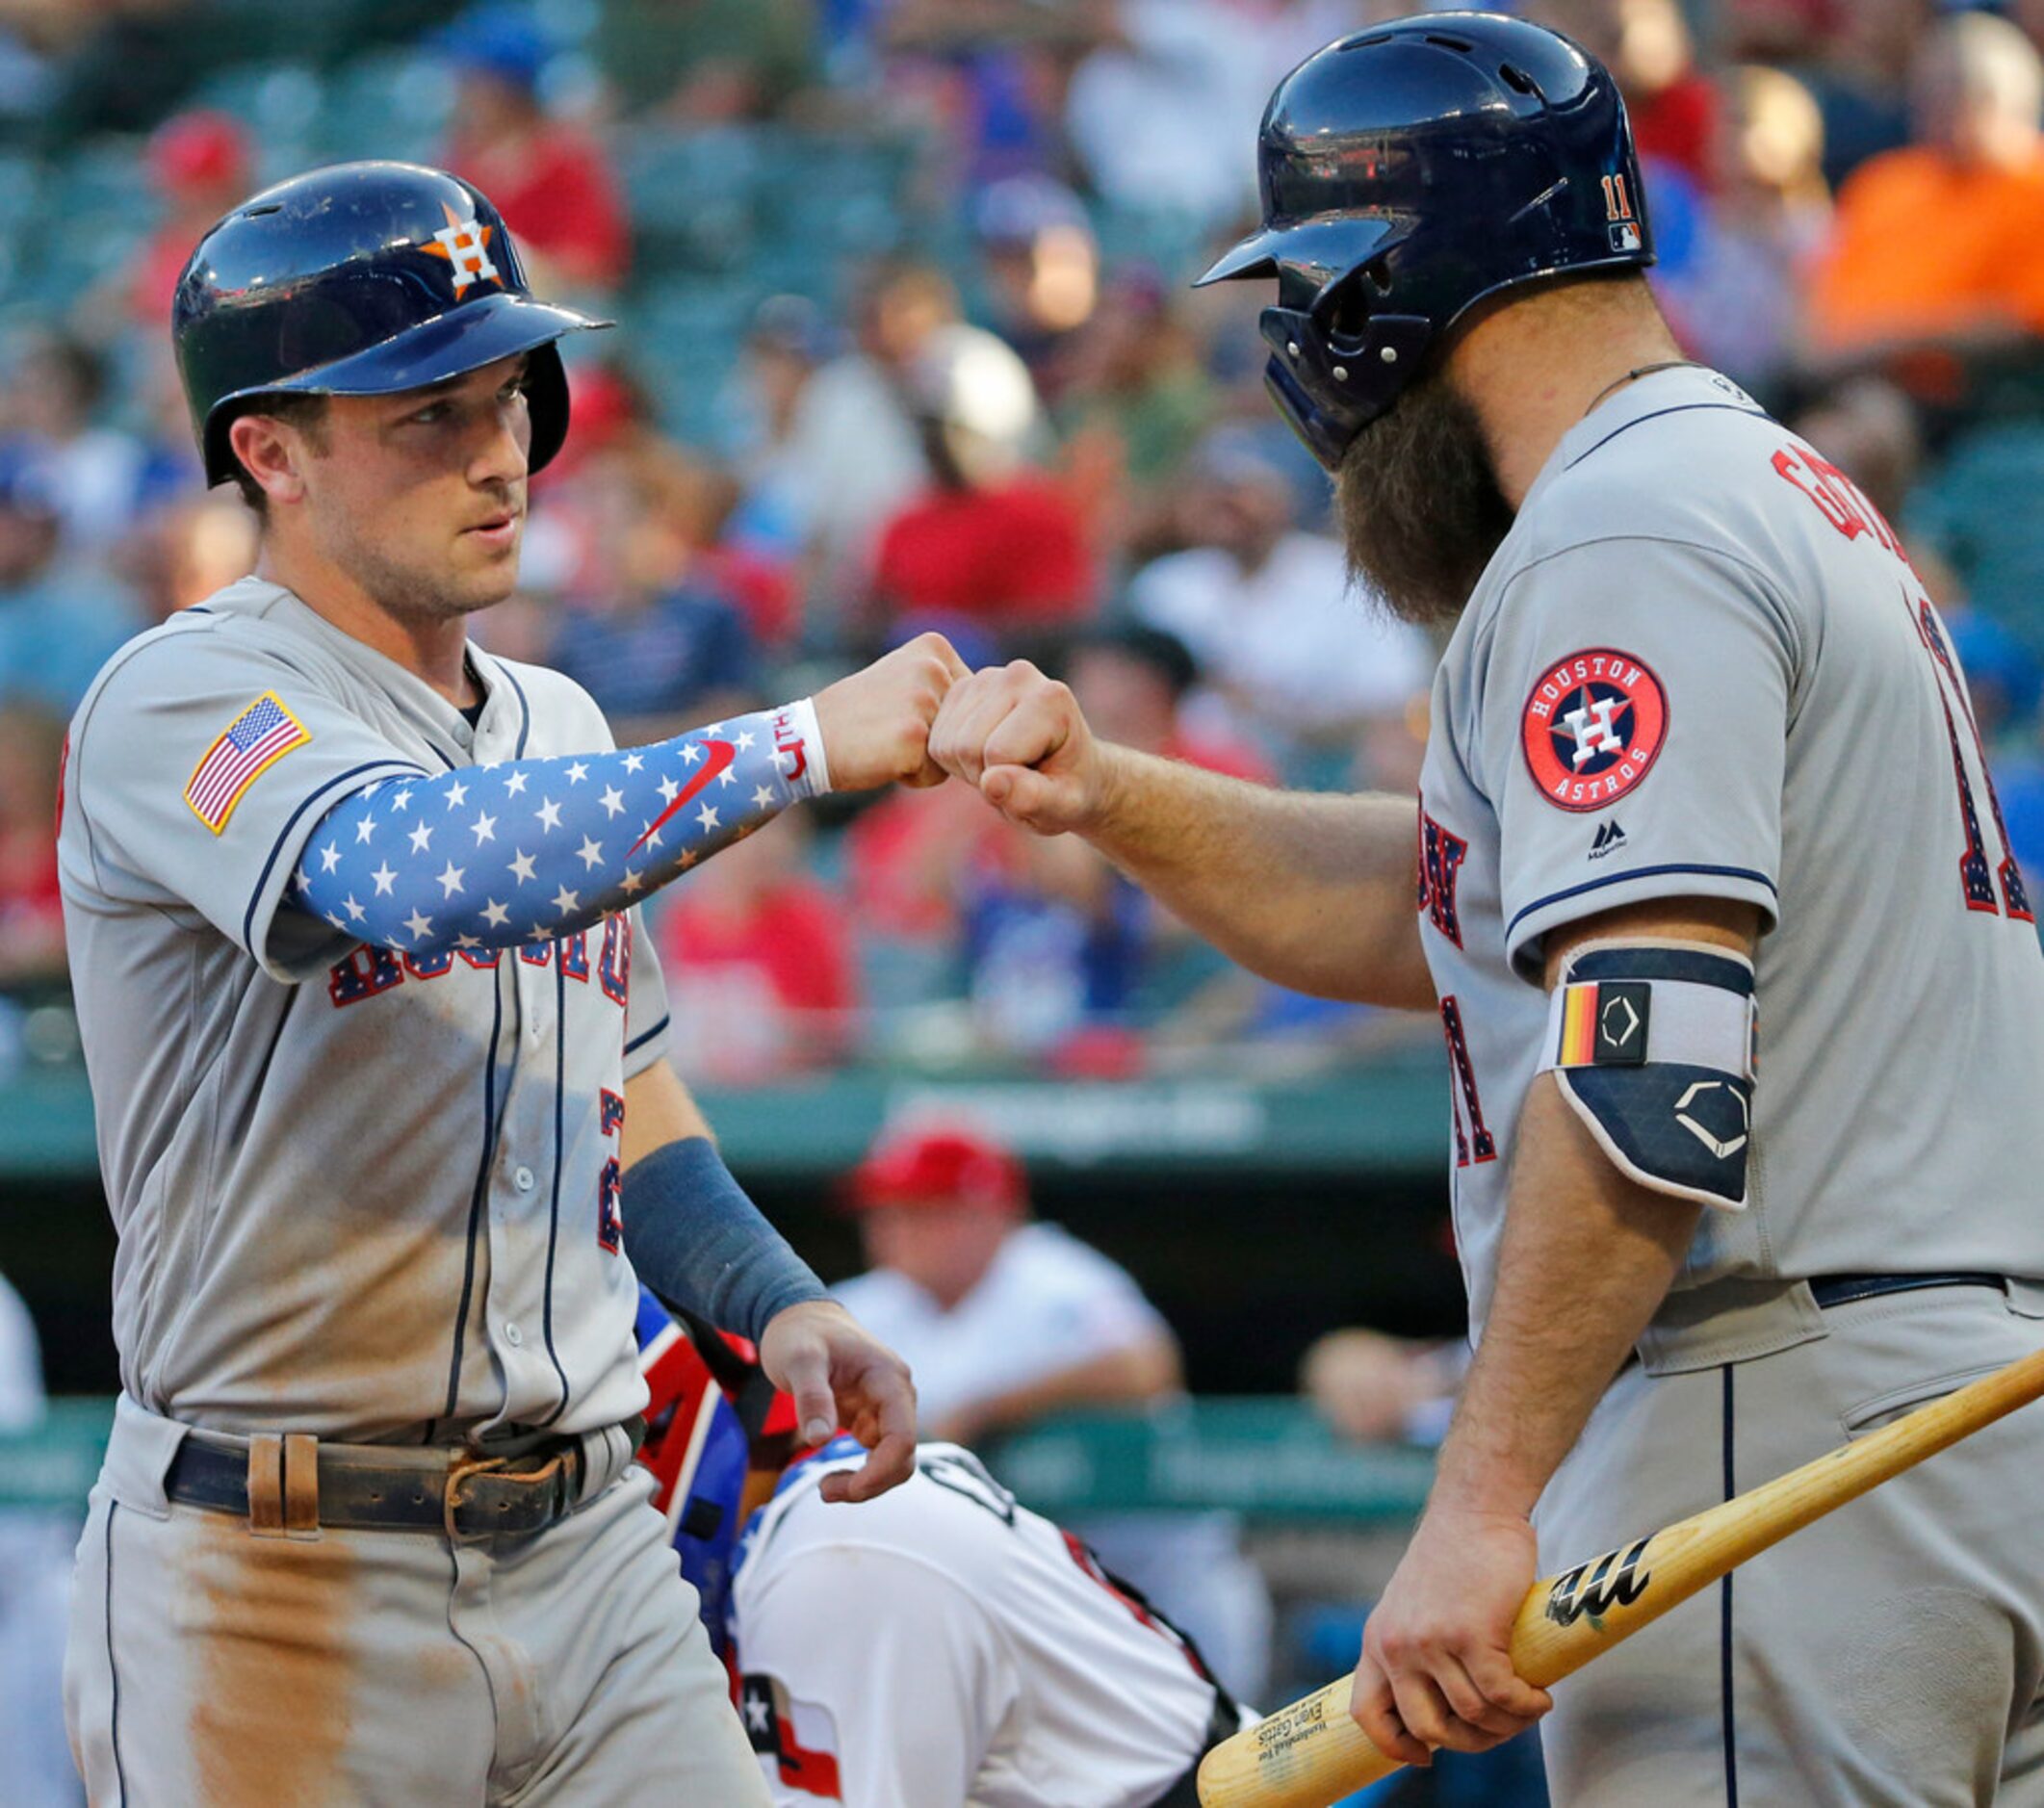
<point>1698,746</point>
<point>944,1647</point>
<point>375,1048</point>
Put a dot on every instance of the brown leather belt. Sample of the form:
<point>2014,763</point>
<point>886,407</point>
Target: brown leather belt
<point>287,1486</point>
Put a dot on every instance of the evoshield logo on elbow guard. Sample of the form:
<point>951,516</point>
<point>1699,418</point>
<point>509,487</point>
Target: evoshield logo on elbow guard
<point>1652,1046</point>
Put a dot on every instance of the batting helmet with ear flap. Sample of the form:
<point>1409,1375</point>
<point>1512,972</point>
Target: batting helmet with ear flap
<point>1408,173</point>
<point>360,279</point>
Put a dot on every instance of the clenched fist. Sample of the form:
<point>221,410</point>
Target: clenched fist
<point>1020,739</point>
<point>876,723</point>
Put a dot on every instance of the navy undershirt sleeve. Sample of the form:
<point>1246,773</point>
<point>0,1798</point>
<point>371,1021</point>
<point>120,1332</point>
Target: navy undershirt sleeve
<point>702,1246</point>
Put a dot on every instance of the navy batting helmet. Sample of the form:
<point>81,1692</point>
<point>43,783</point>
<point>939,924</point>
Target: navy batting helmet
<point>360,279</point>
<point>1406,174</point>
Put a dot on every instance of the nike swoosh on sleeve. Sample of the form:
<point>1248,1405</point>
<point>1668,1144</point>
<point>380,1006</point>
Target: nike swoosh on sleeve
<point>721,754</point>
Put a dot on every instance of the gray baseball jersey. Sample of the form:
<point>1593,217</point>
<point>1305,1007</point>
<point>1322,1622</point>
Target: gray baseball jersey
<point>367,1196</point>
<point>1702,664</point>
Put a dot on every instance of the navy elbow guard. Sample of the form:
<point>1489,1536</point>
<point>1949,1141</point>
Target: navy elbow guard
<point>1652,1046</point>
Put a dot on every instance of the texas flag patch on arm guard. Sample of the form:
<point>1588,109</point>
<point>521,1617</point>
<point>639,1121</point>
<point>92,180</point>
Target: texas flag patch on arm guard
<point>247,747</point>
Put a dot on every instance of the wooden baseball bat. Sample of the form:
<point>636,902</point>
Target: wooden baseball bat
<point>1312,1753</point>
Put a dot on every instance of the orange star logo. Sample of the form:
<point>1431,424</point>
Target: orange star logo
<point>465,243</point>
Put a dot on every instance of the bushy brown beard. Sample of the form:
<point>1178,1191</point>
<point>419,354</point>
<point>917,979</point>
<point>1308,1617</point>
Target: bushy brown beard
<point>1419,504</point>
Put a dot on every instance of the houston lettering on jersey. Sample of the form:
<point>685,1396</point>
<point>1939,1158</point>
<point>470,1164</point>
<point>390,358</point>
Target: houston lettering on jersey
<point>1592,727</point>
<point>1442,854</point>
<point>368,972</point>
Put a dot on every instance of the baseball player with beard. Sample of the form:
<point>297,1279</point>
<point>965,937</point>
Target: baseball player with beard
<point>1700,751</point>
<point>376,1047</point>
<point>943,1646</point>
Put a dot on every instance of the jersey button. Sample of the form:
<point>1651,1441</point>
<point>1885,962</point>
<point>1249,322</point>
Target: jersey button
<point>522,1178</point>
<point>512,1335</point>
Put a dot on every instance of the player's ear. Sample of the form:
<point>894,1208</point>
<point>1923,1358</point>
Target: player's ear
<point>274,453</point>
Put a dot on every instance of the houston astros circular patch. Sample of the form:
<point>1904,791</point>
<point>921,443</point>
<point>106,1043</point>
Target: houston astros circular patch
<point>1592,728</point>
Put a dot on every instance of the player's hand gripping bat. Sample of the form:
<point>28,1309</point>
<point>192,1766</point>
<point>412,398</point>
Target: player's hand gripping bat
<point>1311,1753</point>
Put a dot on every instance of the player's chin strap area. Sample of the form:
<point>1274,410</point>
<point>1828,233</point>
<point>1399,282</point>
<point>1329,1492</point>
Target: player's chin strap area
<point>1652,1043</point>
<point>495,857</point>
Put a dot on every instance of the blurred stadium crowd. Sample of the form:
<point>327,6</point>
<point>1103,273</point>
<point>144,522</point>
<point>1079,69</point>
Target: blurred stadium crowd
<point>905,340</point>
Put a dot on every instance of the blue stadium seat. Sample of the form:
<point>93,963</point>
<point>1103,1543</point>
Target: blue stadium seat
<point>692,196</point>
<point>1975,506</point>
<point>279,104</point>
<point>683,339</point>
<point>388,103</point>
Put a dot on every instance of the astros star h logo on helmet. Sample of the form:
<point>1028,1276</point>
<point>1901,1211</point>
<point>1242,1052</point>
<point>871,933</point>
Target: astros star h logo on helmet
<point>1592,727</point>
<point>465,244</point>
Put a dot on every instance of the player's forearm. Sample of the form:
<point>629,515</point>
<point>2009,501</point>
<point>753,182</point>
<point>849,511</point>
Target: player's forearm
<point>497,856</point>
<point>1312,890</point>
<point>1587,1257</point>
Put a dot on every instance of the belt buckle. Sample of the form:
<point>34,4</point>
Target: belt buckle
<point>502,1486</point>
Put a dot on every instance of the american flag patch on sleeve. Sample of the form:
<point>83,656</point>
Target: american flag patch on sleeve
<point>255,740</point>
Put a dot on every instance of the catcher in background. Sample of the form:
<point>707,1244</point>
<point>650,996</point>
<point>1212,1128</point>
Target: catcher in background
<point>940,1645</point>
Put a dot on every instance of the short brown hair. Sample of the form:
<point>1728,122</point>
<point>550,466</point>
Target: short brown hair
<point>297,408</point>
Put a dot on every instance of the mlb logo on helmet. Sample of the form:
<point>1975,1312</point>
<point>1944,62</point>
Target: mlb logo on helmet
<point>1622,222</point>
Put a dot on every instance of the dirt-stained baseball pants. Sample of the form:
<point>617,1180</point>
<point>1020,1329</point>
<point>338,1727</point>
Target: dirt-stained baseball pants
<point>1889,1656</point>
<point>210,1665</point>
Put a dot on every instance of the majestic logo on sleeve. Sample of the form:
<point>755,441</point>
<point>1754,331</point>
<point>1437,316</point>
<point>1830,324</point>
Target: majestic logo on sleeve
<point>1592,727</point>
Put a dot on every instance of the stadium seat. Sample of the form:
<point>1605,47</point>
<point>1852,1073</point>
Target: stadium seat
<point>389,103</point>
<point>279,103</point>
<point>1970,506</point>
<point>692,199</point>
<point>683,339</point>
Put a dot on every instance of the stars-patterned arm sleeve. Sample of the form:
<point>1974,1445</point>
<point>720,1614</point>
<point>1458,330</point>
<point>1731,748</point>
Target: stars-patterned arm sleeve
<point>494,857</point>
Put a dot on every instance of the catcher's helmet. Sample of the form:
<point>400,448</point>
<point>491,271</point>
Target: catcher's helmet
<point>719,1435</point>
<point>1408,173</point>
<point>360,279</point>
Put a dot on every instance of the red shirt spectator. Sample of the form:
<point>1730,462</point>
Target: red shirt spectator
<point>555,189</point>
<point>1678,124</point>
<point>553,182</point>
<point>1014,554</point>
<point>199,163</point>
<point>31,911</point>
<point>907,855</point>
<point>1647,46</point>
<point>759,963</point>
